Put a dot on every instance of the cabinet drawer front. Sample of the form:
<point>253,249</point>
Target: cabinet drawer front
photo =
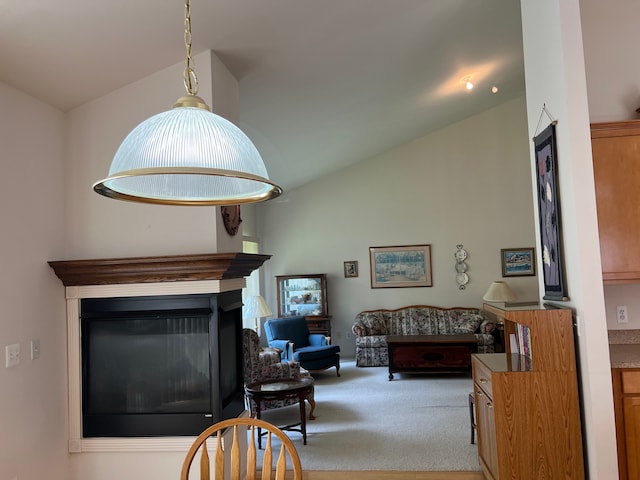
<point>631,382</point>
<point>482,376</point>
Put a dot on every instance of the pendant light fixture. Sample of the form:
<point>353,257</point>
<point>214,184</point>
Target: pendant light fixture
<point>188,156</point>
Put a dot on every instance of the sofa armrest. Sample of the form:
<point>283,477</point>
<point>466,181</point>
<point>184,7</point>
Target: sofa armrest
<point>280,345</point>
<point>317,339</point>
<point>276,371</point>
<point>488,325</point>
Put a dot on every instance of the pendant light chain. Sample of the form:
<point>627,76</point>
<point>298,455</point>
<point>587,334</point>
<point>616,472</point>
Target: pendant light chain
<point>190,78</point>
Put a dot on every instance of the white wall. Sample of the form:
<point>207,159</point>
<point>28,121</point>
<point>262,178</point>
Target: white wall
<point>552,42</point>
<point>33,403</point>
<point>614,94</point>
<point>469,184</point>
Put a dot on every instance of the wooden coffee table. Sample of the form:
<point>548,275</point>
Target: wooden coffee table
<point>429,353</point>
<point>279,390</point>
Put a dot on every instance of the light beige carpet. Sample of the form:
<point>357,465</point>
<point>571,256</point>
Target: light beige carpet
<point>366,422</point>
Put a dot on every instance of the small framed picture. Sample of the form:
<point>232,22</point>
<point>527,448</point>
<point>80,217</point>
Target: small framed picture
<point>351,268</point>
<point>518,262</point>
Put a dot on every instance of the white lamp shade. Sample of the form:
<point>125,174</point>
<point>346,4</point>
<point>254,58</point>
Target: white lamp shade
<point>255,307</point>
<point>499,292</point>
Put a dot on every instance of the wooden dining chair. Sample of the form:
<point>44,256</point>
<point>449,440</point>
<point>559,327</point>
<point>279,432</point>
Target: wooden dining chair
<point>229,446</point>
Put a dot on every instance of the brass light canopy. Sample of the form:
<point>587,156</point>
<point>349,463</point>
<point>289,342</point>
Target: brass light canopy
<point>188,156</point>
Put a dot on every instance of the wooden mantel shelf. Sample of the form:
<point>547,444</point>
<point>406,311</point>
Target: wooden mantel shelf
<point>112,271</point>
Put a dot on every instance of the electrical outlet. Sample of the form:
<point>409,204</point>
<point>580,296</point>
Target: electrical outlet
<point>12,355</point>
<point>623,316</point>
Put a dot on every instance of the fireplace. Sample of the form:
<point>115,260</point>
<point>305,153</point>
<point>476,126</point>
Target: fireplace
<point>154,347</point>
<point>160,365</point>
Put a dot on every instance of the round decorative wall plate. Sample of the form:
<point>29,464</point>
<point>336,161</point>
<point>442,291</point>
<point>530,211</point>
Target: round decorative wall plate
<point>461,267</point>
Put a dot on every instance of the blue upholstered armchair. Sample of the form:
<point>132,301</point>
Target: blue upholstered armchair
<point>311,350</point>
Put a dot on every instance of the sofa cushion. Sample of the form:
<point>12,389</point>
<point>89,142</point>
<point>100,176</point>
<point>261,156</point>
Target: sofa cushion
<point>306,354</point>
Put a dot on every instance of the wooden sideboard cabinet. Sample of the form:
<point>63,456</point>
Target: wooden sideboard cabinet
<point>527,406</point>
<point>626,397</point>
<point>616,169</point>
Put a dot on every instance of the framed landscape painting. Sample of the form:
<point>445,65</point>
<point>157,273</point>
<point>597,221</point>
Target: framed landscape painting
<point>403,266</point>
<point>518,262</point>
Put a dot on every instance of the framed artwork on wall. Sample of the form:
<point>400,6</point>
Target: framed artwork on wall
<point>546,163</point>
<point>351,269</point>
<point>518,262</point>
<point>403,266</point>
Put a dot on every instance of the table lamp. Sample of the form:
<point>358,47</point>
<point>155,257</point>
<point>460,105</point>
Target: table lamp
<point>499,292</point>
<point>255,307</point>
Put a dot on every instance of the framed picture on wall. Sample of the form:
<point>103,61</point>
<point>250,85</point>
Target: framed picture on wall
<point>546,163</point>
<point>404,266</point>
<point>518,262</point>
<point>351,269</point>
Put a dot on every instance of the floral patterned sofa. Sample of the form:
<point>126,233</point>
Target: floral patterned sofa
<point>371,328</point>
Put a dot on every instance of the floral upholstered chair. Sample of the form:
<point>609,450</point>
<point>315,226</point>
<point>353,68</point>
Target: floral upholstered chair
<point>261,365</point>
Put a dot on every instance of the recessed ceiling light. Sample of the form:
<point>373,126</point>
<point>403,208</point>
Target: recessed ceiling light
<point>494,89</point>
<point>469,85</point>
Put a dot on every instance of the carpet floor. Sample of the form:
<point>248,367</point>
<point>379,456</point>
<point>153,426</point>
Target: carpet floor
<point>366,422</point>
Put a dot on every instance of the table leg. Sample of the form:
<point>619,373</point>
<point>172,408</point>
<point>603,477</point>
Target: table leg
<point>303,419</point>
<point>312,404</point>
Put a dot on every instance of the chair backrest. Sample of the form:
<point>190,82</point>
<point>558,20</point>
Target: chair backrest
<point>235,455</point>
<point>250,354</point>
<point>294,329</point>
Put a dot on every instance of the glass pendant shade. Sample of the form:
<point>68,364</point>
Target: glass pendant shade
<point>188,156</point>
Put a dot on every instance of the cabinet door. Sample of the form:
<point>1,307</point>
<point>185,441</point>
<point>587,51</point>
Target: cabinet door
<point>632,435</point>
<point>485,421</point>
<point>616,168</point>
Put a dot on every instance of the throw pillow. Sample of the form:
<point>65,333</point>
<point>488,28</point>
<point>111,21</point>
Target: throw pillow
<point>467,323</point>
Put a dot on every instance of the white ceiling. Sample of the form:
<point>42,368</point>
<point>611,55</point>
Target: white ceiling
<point>323,84</point>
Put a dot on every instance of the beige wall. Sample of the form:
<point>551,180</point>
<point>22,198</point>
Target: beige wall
<point>467,184</point>
<point>33,403</point>
<point>614,94</point>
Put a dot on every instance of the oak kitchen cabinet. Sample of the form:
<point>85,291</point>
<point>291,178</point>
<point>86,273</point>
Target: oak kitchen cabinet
<point>616,168</point>
<point>626,398</point>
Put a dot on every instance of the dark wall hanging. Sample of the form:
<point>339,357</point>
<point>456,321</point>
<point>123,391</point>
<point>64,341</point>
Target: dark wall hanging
<point>549,214</point>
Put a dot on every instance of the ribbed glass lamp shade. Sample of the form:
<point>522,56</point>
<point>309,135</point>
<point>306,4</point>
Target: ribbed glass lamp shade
<point>499,292</point>
<point>188,156</point>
